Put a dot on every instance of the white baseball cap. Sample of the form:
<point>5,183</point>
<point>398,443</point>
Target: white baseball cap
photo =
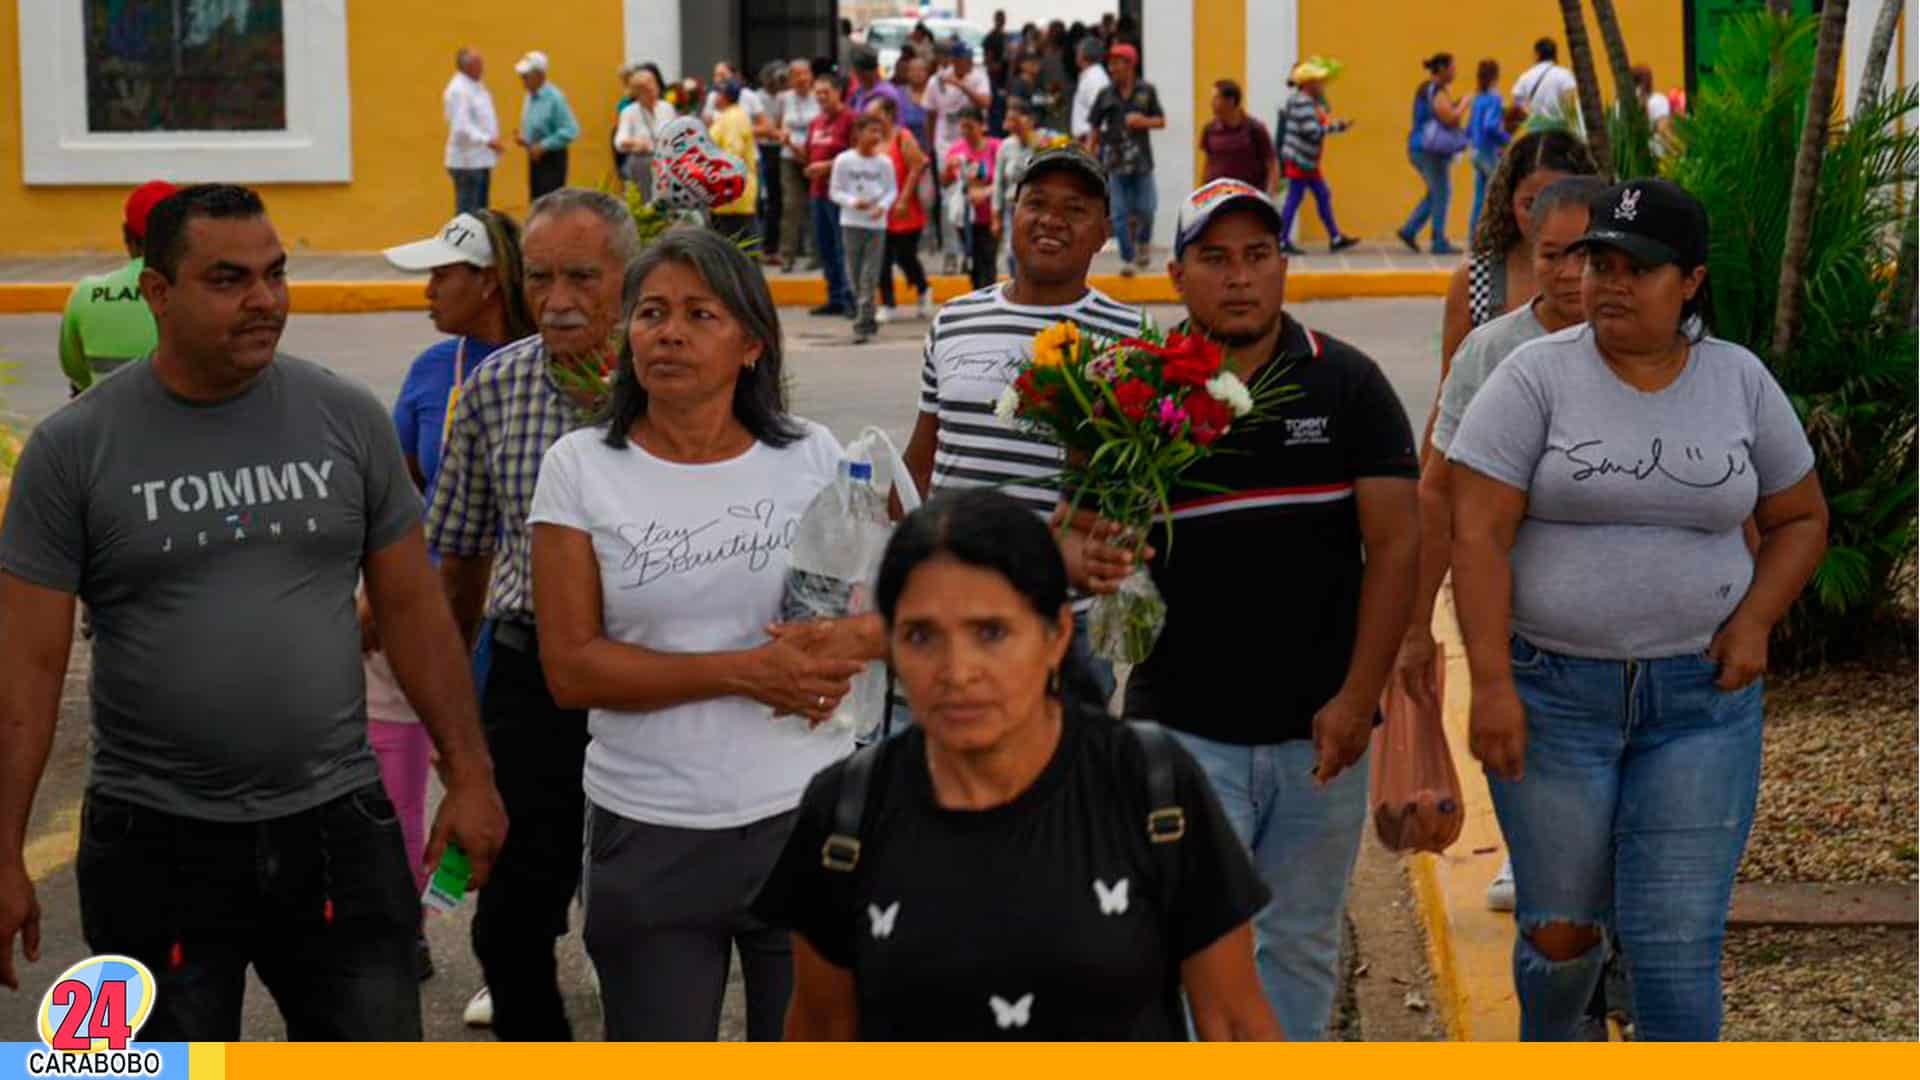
<point>462,240</point>
<point>1198,210</point>
<point>533,61</point>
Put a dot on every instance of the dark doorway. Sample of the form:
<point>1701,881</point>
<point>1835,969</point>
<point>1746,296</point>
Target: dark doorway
<point>783,29</point>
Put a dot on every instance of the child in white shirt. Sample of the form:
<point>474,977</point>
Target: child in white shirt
<point>864,188</point>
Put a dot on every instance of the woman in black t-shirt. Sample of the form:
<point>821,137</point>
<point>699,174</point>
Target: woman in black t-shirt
<point>1003,883</point>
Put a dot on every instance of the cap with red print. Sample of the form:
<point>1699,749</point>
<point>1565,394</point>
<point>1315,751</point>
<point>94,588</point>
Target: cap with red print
<point>1198,210</point>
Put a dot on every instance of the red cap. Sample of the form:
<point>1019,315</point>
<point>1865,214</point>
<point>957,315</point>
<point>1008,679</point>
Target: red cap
<point>1126,50</point>
<point>141,203</point>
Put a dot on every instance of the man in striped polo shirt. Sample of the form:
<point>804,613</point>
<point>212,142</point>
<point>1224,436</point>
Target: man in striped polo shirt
<point>977,343</point>
<point>1287,594</point>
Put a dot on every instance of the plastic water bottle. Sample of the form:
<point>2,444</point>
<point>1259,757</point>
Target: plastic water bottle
<point>836,555</point>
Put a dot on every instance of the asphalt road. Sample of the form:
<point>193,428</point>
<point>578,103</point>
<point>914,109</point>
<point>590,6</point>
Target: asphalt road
<point>844,387</point>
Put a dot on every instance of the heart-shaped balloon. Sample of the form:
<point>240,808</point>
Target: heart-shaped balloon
<point>691,172</point>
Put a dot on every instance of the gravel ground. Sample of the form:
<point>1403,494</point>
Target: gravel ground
<point>1821,985</point>
<point>1838,780</point>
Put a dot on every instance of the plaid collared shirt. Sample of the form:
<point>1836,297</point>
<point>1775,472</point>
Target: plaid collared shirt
<point>510,411</point>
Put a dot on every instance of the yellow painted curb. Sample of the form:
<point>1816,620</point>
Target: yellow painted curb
<point>1446,979</point>
<point>357,297</point>
<point>1470,949</point>
<point>33,298</point>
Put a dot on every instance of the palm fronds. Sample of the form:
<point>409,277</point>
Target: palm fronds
<point>1851,372</point>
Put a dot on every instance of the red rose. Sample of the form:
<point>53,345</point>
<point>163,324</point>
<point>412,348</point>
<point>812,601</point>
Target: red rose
<point>1134,396</point>
<point>1209,418</point>
<point>1190,360</point>
<point>1033,396</point>
<point>1186,359</point>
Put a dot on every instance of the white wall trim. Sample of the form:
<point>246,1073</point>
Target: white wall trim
<point>1861,15</point>
<point>57,148</point>
<point>1273,48</point>
<point>1167,31</point>
<point>653,33</point>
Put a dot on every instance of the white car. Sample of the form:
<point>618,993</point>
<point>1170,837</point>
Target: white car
<point>889,36</point>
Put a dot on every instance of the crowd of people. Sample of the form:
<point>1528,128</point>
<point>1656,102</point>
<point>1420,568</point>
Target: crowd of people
<point>568,602</point>
<point>956,126</point>
<point>1543,97</point>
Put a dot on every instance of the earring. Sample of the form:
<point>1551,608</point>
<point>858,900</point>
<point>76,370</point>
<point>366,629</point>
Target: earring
<point>1053,683</point>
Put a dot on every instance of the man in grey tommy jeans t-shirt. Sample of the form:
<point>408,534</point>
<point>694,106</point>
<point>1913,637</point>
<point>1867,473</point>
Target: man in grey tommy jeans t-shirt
<point>215,506</point>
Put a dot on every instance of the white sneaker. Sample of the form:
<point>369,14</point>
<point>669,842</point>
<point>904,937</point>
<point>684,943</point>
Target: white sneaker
<point>926,305</point>
<point>949,264</point>
<point>883,315</point>
<point>1500,891</point>
<point>480,1009</point>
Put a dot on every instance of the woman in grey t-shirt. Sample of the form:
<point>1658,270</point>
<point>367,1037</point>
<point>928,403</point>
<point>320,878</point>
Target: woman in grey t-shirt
<point>1616,621</point>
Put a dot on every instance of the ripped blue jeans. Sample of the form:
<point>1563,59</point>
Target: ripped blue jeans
<point>1639,791</point>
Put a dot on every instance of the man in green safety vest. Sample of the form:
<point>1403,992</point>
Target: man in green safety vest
<point>107,322</point>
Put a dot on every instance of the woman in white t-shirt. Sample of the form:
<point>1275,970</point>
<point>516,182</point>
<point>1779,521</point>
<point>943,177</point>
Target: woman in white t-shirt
<point>661,546</point>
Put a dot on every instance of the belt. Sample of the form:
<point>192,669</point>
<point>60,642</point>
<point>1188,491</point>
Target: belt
<point>516,635</point>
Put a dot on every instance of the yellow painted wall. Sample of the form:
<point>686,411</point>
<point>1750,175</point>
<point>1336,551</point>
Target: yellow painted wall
<point>1382,43</point>
<point>399,55</point>
<point>1219,52</point>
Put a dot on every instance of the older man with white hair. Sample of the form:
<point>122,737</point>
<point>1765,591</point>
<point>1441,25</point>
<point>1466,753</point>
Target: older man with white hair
<point>576,247</point>
<point>547,127</point>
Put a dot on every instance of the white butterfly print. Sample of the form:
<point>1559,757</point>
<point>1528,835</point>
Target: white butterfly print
<point>882,919</point>
<point>1016,1015</point>
<point>1113,900</point>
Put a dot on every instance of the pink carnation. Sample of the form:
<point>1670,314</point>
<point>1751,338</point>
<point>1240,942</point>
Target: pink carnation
<point>1172,417</point>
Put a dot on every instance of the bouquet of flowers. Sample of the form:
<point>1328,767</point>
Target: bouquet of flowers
<point>1134,415</point>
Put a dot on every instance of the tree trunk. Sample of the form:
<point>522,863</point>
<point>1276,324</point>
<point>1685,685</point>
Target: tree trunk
<point>1806,175</point>
<point>1616,45</point>
<point>1875,69</point>
<point>1580,51</point>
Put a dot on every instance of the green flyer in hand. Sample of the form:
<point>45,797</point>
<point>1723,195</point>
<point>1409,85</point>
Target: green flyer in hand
<point>448,885</point>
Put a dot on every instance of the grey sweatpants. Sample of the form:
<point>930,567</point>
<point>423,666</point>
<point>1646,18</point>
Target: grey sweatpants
<point>866,258</point>
<point>665,907</point>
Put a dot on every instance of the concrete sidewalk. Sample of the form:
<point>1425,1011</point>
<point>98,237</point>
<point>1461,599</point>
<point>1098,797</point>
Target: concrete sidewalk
<point>342,282</point>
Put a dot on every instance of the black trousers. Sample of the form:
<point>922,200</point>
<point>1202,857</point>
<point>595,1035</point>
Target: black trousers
<point>539,751</point>
<point>771,206</point>
<point>903,251</point>
<point>321,903</point>
<point>981,247</point>
<point>547,174</point>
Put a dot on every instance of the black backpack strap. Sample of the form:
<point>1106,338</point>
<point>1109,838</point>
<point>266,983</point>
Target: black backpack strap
<point>1166,818</point>
<point>842,848</point>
